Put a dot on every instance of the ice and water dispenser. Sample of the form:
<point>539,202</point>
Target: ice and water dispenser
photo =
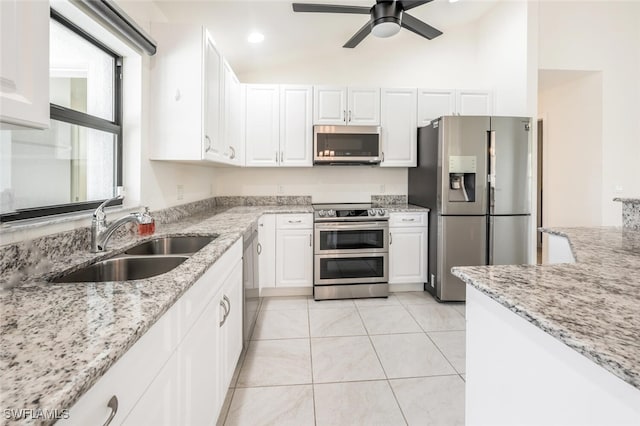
<point>462,178</point>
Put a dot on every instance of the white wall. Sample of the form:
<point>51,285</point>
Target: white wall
<point>570,104</point>
<point>602,36</point>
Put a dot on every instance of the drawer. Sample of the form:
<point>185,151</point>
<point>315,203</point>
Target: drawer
<point>294,221</point>
<point>408,219</point>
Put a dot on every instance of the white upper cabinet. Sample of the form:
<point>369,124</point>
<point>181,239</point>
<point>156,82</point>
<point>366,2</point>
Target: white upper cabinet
<point>399,128</point>
<point>330,105</point>
<point>364,106</point>
<point>195,98</point>
<point>262,125</point>
<point>233,148</point>
<point>474,102</point>
<point>434,103</point>
<point>337,105</point>
<point>185,94</point>
<point>296,126</point>
<point>213,145</point>
<point>278,126</point>
<point>24,64</point>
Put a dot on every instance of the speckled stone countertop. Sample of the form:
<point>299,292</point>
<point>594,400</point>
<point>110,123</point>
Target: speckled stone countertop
<point>593,305</point>
<point>57,340</point>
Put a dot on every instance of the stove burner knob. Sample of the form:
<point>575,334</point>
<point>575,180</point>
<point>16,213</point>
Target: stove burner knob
<point>331,213</point>
<point>381,212</point>
<point>371,212</point>
<point>322,213</point>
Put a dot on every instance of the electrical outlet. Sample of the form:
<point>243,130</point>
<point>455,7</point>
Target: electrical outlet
<point>280,189</point>
<point>382,188</point>
<point>618,189</point>
<point>180,192</point>
<point>211,189</point>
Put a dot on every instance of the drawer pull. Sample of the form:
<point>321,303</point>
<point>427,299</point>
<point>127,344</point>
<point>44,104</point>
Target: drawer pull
<point>295,221</point>
<point>404,219</point>
<point>390,238</point>
<point>113,404</point>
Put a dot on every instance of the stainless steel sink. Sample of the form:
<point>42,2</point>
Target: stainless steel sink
<point>171,245</point>
<point>123,269</point>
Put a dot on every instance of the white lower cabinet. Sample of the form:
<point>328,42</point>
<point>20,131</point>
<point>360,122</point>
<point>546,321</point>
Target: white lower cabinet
<point>179,370</point>
<point>294,250</point>
<point>267,251</point>
<point>408,248</point>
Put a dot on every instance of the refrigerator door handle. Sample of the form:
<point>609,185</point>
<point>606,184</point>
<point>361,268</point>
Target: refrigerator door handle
<point>490,239</point>
<point>492,170</point>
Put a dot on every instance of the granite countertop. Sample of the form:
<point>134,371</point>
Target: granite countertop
<point>57,340</point>
<point>593,305</point>
<point>400,208</point>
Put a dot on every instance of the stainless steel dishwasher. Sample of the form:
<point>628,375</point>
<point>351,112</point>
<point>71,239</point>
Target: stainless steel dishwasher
<point>250,280</point>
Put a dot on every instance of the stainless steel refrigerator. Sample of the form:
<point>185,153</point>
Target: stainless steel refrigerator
<point>474,173</point>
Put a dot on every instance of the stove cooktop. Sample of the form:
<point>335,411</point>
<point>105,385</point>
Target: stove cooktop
<point>348,212</point>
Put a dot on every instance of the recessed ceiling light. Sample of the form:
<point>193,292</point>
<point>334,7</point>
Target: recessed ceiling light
<point>452,1</point>
<point>255,37</point>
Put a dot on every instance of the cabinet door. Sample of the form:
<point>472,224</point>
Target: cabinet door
<point>24,68</point>
<point>408,255</point>
<point>267,251</point>
<point>159,405</point>
<point>364,106</point>
<point>262,125</point>
<point>212,143</point>
<point>296,126</point>
<point>330,105</point>
<point>399,128</point>
<point>230,327</point>
<point>233,151</point>
<point>434,103</point>
<point>474,102</point>
<point>294,257</point>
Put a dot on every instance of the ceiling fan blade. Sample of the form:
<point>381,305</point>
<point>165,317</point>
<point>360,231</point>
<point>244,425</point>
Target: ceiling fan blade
<point>419,27</point>
<point>410,4</point>
<point>359,36</point>
<point>330,8</point>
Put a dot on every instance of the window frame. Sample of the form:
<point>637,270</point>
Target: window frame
<point>67,115</point>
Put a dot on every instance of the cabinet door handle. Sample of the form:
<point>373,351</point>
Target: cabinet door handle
<point>310,240</point>
<point>277,157</point>
<point>404,219</point>
<point>224,317</point>
<point>383,156</point>
<point>259,248</point>
<point>390,238</point>
<point>208,147</point>
<point>113,404</point>
<point>233,153</point>
<point>344,115</point>
<point>349,116</point>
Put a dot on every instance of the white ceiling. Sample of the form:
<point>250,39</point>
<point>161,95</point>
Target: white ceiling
<point>292,37</point>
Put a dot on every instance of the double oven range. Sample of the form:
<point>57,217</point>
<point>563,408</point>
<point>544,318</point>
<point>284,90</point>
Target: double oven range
<point>351,251</point>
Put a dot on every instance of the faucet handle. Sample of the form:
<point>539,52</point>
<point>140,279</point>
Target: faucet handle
<point>99,212</point>
<point>144,217</point>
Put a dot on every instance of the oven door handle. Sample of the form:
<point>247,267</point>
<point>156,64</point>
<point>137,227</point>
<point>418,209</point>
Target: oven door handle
<point>352,225</point>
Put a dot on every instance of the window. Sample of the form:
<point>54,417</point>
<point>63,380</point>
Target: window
<point>76,163</point>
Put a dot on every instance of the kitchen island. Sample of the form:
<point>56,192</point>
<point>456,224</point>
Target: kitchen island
<point>557,344</point>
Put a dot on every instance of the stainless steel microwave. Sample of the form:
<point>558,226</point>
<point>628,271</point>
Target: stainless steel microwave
<point>346,145</point>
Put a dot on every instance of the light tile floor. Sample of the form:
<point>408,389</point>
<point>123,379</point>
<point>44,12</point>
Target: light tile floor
<point>392,361</point>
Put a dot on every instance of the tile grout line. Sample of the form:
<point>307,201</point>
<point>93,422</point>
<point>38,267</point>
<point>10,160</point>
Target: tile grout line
<point>404,417</point>
<point>313,386</point>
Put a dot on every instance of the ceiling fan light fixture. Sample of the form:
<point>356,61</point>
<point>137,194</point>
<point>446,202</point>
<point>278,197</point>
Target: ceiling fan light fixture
<point>386,29</point>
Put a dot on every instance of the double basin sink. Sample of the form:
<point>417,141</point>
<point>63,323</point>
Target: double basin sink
<point>145,260</point>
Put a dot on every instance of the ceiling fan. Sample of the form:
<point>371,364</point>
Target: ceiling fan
<point>387,17</point>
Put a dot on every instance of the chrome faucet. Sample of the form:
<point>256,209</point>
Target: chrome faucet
<point>101,231</point>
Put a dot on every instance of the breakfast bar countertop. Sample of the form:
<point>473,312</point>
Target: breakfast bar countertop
<point>592,306</point>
